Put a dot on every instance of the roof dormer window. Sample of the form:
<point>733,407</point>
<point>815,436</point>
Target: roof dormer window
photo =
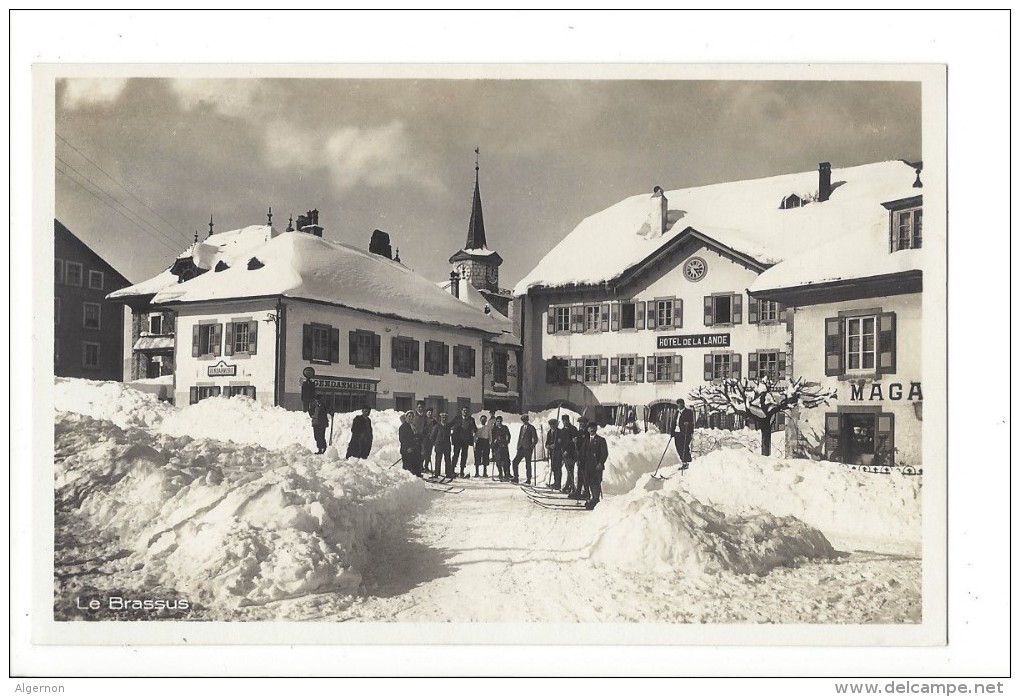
<point>904,223</point>
<point>791,201</point>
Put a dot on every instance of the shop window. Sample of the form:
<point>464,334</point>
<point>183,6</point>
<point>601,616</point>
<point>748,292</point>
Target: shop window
<point>241,390</point>
<point>724,309</point>
<point>90,355</point>
<point>200,392</point>
<point>91,315</point>
<point>464,361</point>
<point>242,338</point>
<point>73,273</point>
<point>96,280</point>
<point>404,354</point>
<point>205,340</point>
<point>860,438</point>
<point>364,348</point>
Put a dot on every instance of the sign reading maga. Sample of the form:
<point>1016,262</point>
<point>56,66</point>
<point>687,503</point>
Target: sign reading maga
<point>678,341</point>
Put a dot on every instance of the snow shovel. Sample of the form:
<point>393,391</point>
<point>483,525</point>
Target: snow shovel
<point>655,474</point>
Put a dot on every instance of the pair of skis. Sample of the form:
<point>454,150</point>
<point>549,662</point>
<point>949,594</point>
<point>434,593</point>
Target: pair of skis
<point>661,477</point>
<point>552,499</point>
<point>442,485</point>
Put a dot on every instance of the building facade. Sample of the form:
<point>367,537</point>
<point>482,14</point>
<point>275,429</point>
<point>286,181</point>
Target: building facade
<point>657,295</point>
<point>861,336</point>
<point>88,330</point>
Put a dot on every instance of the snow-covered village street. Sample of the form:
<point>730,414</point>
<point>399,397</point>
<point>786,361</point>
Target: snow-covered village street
<point>223,505</point>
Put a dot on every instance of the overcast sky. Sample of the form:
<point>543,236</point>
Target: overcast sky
<point>398,155</point>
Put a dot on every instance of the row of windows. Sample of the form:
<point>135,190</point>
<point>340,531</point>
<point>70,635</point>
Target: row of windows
<point>72,273</point>
<point>664,367</point>
<point>241,338</point>
<point>91,314</point>
<point>321,344</point>
<point>89,354</point>
<point>661,313</point>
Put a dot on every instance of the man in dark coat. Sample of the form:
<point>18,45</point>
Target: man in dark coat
<point>581,491</point>
<point>566,444</point>
<point>428,440</point>
<point>464,430</point>
<point>308,395</point>
<point>527,439</point>
<point>320,420</point>
<point>409,454</point>
<point>442,434</point>
<point>552,449</point>
<point>683,432</point>
<point>361,435</point>
<point>596,453</point>
<point>420,425</point>
<point>501,448</point>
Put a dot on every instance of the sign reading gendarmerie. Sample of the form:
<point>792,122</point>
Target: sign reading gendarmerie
<point>332,383</point>
<point>222,369</point>
<point>693,341</point>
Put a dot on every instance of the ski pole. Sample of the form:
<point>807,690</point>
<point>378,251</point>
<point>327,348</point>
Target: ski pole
<point>395,463</point>
<point>661,457</point>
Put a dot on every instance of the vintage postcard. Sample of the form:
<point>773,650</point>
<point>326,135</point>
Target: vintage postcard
<point>491,354</point>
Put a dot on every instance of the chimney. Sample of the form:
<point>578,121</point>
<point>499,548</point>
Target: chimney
<point>309,222</point>
<point>455,284</point>
<point>657,214</point>
<point>824,181</point>
<point>380,244</point>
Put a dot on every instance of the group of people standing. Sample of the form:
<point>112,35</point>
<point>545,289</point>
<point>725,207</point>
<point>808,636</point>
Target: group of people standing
<point>441,447</point>
<point>578,448</point>
<point>360,444</point>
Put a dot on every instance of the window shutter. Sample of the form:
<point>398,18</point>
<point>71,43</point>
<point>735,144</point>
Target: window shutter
<point>784,368</point>
<point>752,311</point>
<point>194,342</point>
<point>639,369</point>
<point>605,317</point>
<point>430,360</point>
<point>885,440</point>
<point>887,342</point>
<point>735,366</point>
<point>394,342</point>
<point>709,311</point>
<point>603,370</point>
<point>376,351</point>
<point>550,320</point>
<point>653,306</point>
<point>445,351</point>
<point>650,366</point>
<point>678,368</point>
<point>193,393</point>
<point>752,366</point>
<point>306,342</point>
<point>614,321</point>
<point>614,370</point>
<point>415,357</point>
<point>471,362</point>
<point>228,348</point>
<point>334,345</point>
<point>782,313</point>
<point>833,346</point>
<point>737,308</point>
<point>708,367</point>
<point>217,339</point>
<point>678,312</point>
<point>639,314</point>
<point>831,444</point>
<point>352,348</point>
<point>577,318</point>
<point>253,336</point>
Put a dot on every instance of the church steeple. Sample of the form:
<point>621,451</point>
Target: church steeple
<point>476,226</point>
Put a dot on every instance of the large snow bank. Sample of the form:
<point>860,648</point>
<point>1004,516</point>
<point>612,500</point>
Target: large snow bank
<point>674,533</point>
<point>223,523</point>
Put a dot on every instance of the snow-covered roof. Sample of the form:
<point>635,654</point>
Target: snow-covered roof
<point>301,265</point>
<point>229,247</point>
<point>744,216</point>
<point>471,296</point>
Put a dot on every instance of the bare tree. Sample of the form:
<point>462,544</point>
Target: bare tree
<point>760,401</point>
